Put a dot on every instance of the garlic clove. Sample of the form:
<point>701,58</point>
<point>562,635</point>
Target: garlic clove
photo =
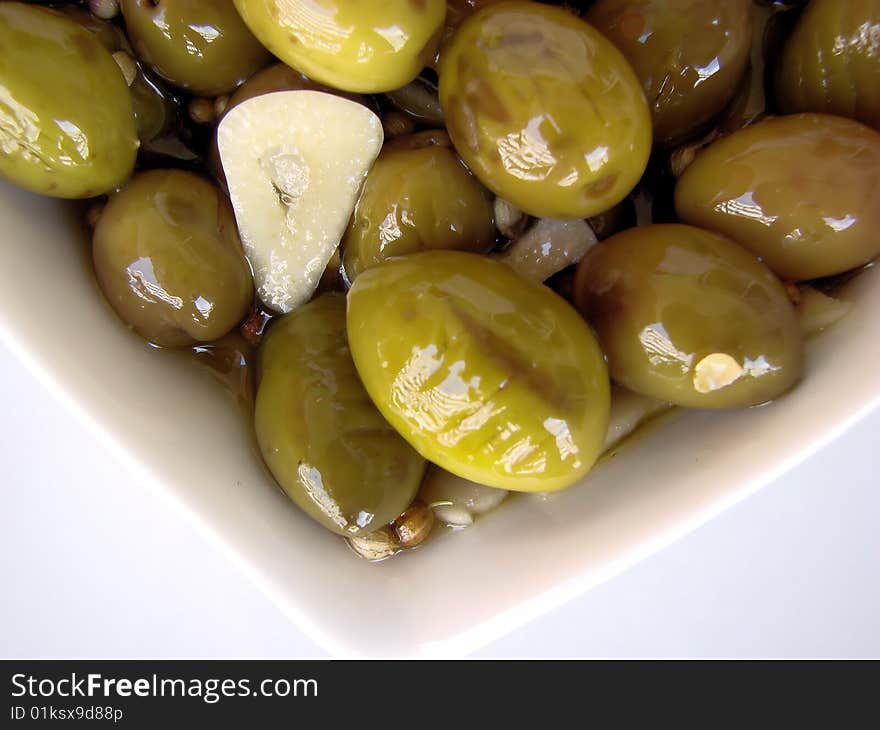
<point>295,162</point>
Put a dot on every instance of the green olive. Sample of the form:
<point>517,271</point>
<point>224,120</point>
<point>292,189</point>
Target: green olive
<point>689,317</point>
<point>202,46</point>
<point>544,109</point>
<point>66,122</point>
<point>831,62</point>
<point>417,198</point>
<point>154,109</point>
<point>319,433</point>
<point>802,192</point>
<point>689,55</point>
<point>168,258</point>
<point>355,45</point>
<point>494,378</point>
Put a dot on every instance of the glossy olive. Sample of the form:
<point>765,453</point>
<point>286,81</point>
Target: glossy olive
<point>494,378</point>
<point>354,45</point>
<point>689,317</point>
<point>319,433</point>
<point>154,108</point>
<point>66,122</point>
<point>168,258</point>
<point>689,55</point>
<point>831,62</point>
<point>202,46</point>
<point>544,109</point>
<point>802,192</point>
<point>416,199</point>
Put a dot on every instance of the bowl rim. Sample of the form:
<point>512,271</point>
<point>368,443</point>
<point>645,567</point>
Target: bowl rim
<point>656,526</point>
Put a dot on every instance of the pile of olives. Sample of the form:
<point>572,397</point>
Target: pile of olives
<point>724,154</point>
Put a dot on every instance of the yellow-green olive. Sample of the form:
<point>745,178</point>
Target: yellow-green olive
<point>688,317</point>
<point>831,62</point>
<point>202,46</point>
<point>366,46</point>
<point>168,258</point>
<point>154,108</point>
<point>416,198</point>
<point>66,123</point>
<point>544,109</point>
<point>801,191</point>
<point>490,376</point>
<point>689,55</point>
<point>319,433</point>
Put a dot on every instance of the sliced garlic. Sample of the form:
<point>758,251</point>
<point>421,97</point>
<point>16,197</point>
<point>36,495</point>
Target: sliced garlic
<point>295,162</point>
<point>548,247</point>
<point>452,515</point>
<point>818,312</point>
<point>509,220</point>
<point>127,66</point>
<point>419,98</point>
<point>716,371</point>
<point>457,501</point>
<point>628,411</point>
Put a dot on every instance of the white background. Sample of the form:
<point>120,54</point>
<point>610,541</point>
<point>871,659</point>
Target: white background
<point>93,564</point>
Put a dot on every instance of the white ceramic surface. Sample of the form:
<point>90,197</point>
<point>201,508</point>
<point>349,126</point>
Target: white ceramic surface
<point>174,427</point>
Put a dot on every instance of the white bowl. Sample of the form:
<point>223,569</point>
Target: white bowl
<point>174,426</point>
